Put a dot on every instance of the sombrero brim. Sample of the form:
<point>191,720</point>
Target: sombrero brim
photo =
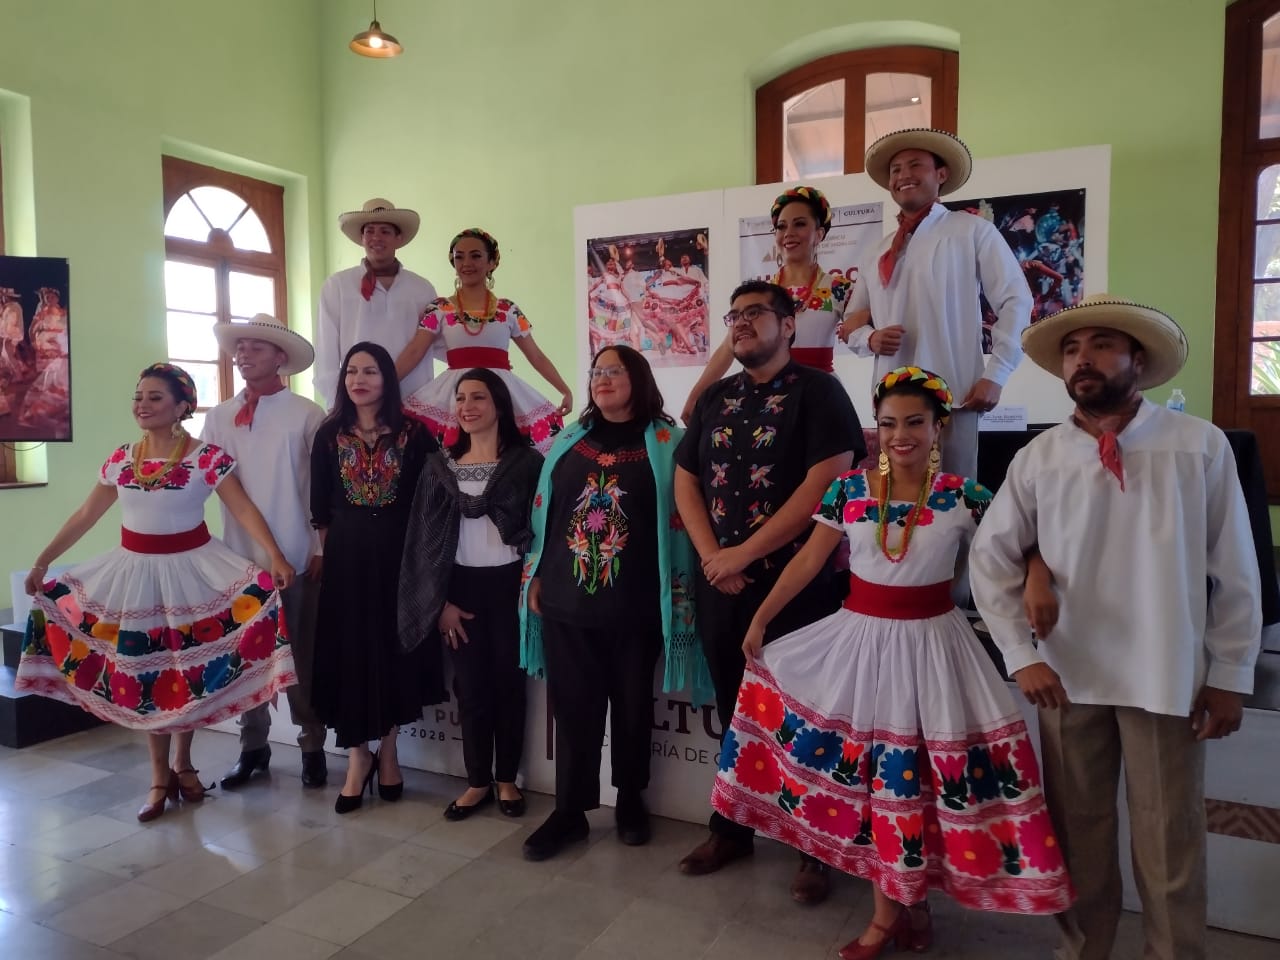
<point>295,346</point>
<point>956,156</point>
<point>352,222</point>
<point>1163,342</point>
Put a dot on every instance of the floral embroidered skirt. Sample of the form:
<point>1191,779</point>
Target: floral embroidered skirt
<point>161,643</point>
<point>434,405</point>
<point>893,751</point>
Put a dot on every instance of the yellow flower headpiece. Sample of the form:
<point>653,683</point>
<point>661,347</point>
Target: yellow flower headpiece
<point>926,379</point>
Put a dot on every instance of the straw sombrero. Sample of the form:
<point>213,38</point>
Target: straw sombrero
<point>955,155</point>
<point>379,210</point>
<point>266,327</point>
<point>1163,341</point>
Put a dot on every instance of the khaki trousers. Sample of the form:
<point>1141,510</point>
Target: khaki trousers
<point>1164,779</point>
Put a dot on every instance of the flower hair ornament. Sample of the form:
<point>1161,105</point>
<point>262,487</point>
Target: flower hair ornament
<point>927,379</point>
<point>811,196</point>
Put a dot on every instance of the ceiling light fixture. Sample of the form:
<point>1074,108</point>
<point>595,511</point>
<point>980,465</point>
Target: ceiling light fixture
<point>373,42</point>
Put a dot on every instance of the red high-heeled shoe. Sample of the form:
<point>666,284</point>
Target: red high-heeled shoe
<point>897,936</point>
<point>149,811</point>
<point>189,794</point>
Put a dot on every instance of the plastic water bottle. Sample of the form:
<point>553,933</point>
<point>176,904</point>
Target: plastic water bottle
<point>1177,401</point>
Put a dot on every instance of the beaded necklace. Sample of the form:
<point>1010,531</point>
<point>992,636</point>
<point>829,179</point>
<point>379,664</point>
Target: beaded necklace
<point>475,325</point>
<point>801,294</point>
<point>153,478</point>
<point>882,525</point>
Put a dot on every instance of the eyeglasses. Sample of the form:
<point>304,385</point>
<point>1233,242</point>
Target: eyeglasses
<point>609,373</point>
<point>750,314</point>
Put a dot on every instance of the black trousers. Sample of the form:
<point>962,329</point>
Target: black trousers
<point>487,679</point>
<point>591,670</point>
<point>723,622</point>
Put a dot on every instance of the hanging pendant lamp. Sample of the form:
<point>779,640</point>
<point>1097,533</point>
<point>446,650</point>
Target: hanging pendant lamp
<point>374,42</point>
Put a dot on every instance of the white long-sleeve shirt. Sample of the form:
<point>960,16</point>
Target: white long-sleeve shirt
<point>1138,625</point>
<point>950,259</point>
<point>273,462</point>
<point>389,318</point>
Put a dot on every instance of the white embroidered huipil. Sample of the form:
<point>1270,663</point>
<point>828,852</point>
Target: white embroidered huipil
<point>388,318</point>
<point>950,259</point>
<point>274,466</point>
<point>1138,625</point>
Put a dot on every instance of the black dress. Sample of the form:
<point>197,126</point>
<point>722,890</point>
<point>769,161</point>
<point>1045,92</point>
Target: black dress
<point>364,683</point>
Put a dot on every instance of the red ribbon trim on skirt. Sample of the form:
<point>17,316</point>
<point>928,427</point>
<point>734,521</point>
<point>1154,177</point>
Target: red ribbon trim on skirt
<point>820,358</point>
<point>898,603</point>
<point>464,358</point>
<point>164,542</point>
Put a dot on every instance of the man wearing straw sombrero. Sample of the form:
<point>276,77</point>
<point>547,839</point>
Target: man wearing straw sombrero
<point>1150,628</point>
<point>379,300</point>
<point>922,286</point>
<point>269,430</point>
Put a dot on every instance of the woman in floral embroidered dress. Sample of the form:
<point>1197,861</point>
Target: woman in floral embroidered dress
<point>365,463</point>
<point>478,328</point>
<point>171,630</point>
<point>609,589</point>
<point>881,739</point>
<point>801,218</point>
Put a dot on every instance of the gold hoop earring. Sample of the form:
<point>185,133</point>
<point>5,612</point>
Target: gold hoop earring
<point>935,458</point>
<point>488,280</point>
<point>883,464</point>
<point>457,282</point>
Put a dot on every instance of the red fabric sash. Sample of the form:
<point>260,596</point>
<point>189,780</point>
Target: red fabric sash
<point>820,358</point>
<point>464,358</point>
<point>244,416</point>
<point>164,542</point>
<point>907,223</point>
<point>898,603</point>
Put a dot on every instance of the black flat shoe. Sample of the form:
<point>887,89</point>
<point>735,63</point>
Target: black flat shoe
<point>512,808</point>
<point>249,763</point>
<point>315,771</point>
<point>557,832</point>
<point>456,811</point>
<point>345,804</point>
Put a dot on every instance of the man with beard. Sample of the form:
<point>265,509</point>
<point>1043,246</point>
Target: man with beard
<point>761,448</point>
<point>917,297</point>
<point>1149,644</point>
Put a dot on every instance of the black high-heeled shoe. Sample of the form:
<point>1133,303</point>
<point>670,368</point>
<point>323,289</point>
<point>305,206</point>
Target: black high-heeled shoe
<point>390,792</point>
<point>345,804</point>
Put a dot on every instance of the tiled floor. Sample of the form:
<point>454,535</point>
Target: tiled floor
<point>272,872</point>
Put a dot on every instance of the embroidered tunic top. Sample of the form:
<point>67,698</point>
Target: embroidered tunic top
<point>601,554</point>
<point>751,445</point>
<point>347,474</point>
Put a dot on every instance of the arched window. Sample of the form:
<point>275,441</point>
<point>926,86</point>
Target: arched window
<point>224,259</point>
<point>1246,362</point>
<point>817,120</point>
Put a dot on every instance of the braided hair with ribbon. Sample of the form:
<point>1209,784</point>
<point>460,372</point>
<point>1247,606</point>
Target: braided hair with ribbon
<point>917,380</point>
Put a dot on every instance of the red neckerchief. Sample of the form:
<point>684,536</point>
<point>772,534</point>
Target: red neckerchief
<point>1108,439</point>
<point>244,416</point>
<point>371,274</point>
<point>907,223</point>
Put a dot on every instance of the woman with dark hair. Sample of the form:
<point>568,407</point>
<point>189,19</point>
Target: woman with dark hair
<point>365,463</point>
<point>170,631</point>
<point>801,219</point>
<point>608,588</point>
<point>881,739</point>
<point>478,329</point>
<point>468,532</point>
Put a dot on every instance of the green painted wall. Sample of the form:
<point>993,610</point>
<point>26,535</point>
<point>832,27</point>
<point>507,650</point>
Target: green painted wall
<point>109,87</point>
